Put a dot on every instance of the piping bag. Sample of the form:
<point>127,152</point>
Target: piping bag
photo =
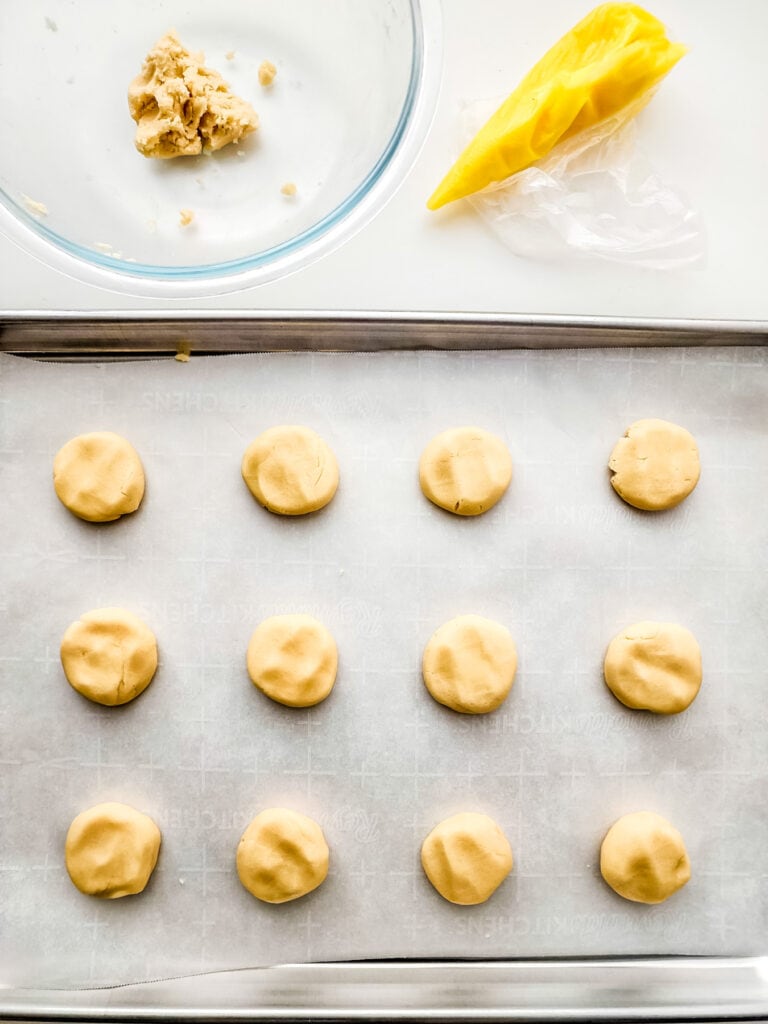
<point>556,168</point>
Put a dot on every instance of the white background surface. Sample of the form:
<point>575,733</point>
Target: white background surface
<point>561,561</point>
<point>705,131</point>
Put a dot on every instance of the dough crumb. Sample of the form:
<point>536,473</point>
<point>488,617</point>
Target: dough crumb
<point>289,189</point>
<point>183,352</point>
<point>34,206</point>
<point>229,55</point>
<point>267,72</point>
<point>186,217</point>
<point>107,249</point>
<point>182,107</point>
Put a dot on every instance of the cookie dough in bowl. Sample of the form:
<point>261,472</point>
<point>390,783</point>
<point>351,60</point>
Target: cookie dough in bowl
<point>111,850</point>
<point>655,666</point>
<point>293,660</point>
<point>466,858</point>
<point>181,107</point>
<point>109,656</point>
<point>99,477</point>
<point>465,470</point>
<point>643,858</point>
<point>469,664</point>
<point>282,856</point>
<point>655,465</point>
<point>290,470</point>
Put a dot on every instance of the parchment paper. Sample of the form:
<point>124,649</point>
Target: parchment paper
<point>561,561</point>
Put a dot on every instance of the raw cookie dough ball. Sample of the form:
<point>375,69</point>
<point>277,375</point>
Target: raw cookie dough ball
<point>466,858</point>
<point>290,470</point>
<point>111,850</point>
<point>109,655</point>
<point>655,666</point>
<point>282,855</point>
<point>469,664</point>
<point>643,858</point>
<point>655,465</point>
<point>465,470</point>
<point>293,659</point>
<point>99,477</point>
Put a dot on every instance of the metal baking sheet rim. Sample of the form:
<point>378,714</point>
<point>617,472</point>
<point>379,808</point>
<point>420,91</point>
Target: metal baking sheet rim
<point>669,989</point>
<point>655,988</point>
<point>70,333</point>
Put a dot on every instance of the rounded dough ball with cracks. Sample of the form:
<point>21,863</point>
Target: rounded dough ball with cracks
<point>290,470</point>
<point>465,470</point>
<point>293,660</point>
<point>466,858</point>
<point>282,856</point>
<point>98,477</point>
<point>111,850</point>
<point>655,465</point>
<point>654,666</point>
<point>643,858</point>
<point>109,656</point>
<point>469,664</point>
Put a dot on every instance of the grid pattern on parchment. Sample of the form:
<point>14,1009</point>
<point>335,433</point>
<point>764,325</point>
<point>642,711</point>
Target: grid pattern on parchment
<point>560,561</point>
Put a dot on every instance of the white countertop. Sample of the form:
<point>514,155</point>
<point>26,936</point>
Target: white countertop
<point>705,131</point>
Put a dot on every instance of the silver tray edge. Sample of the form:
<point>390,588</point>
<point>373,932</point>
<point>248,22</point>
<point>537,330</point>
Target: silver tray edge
<point>78,334</point>
<point>654,989</point>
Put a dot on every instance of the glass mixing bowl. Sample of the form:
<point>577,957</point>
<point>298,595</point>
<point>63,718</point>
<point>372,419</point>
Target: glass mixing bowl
<point>343,121</point>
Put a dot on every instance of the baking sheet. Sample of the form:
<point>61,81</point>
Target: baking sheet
<point>561,561</point>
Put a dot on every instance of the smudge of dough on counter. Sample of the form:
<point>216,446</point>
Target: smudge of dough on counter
<point>186,217</point>
<point>267,73</point>
<point>182,107</point>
